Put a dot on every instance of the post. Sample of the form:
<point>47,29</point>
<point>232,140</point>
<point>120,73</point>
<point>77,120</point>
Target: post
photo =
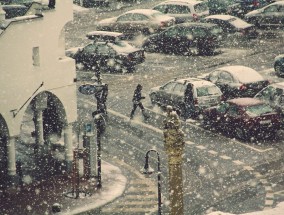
<point>99,183</point>
<point>174,146</point>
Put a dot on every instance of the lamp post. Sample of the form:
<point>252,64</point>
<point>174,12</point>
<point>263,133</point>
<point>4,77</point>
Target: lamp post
<point>147,170</point>
<point>174,146</point>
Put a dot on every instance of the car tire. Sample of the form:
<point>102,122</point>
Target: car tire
<point>240,133</point>
<point>278,69</point>
<point>150,47</point>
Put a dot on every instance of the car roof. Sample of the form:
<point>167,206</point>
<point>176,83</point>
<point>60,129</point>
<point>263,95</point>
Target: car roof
<point>278,85</point>
<point>242,73</point>
<point>196,24</point>
<point>195,81</point>
<point>221,17</point>
<point>187,2</point>
<point>148,12</point>
<point>277,2</point>
<point>247,101</point>
<point>103,35</point>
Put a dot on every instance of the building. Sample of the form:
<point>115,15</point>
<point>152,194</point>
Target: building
<point>37,79</point>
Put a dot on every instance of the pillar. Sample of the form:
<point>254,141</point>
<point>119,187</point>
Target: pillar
<point>68,146</point>
<point>11,154</point>
<point>174,147</point>
<point>38,127</point>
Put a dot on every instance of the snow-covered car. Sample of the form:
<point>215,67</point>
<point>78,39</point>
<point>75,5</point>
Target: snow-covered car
<point>270,16</point>
<point>107,53</point>
<point>205,94</point>
<point>243,118</point>
<point>133,22</point>
<point>186,39</point>
<point>184,10</point>
<point>237,81</point>
<point>233,27</point>
<point>273,95</point>
<point>279,65</point>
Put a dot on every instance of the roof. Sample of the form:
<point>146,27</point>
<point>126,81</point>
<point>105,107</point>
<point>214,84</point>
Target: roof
<point>102,34</point>
<point>242,73</point>
<point>201,24</point>
<point>147,12</point>
<point>220,16</point>
<point>245,101</point>
<point>196,81</point>
<point>191,2</point>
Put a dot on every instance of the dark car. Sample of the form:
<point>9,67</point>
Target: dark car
<point>185,39</point>
<point>205,94</point>
<point>270,16</point>
<point>237,81</point>
<point>243,117</point>
<point>234,28</point>
<point>107,53</point>
<point>92,3</point>
<point>273,95</point>
<point>242,7</point>
<point>279,65</point>
<point>14,10</point>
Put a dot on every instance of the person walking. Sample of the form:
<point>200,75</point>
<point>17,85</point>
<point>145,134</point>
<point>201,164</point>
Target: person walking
<point>189,109</point>
<point>137,97</point>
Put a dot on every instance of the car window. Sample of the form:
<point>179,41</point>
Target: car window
<point>201,7</point>
<point>233,110</point>
<point>216,30</point>
<point>90,48</point>
<point>125,17</point>
<point>199,32</point>
<point>222,108</point>
<point>272,8</point>
<point>257,110</point>
<point>214,76</point>
<point>104,50</point>
<point>161,8</point>
<point>139,17</point>
<point>177,9</point>
<point>266,93</point>
<point>207,91</point>
<point>169,86</point>
<point>179,89</point>
<point>185,32</point>
<point>225,77</point>
<point>171,32</point>
<point>281,8</point>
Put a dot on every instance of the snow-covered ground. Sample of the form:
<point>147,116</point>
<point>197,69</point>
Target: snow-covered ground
<point>278,210</point>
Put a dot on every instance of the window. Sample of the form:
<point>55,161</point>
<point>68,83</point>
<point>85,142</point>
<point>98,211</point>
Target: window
<point>178,9</point>
<point>201,7</point>
<point>207,91</point>
<point>171,32</point>
<point>90,48</point>
<point>266,93</point>
<point>36,60</point>
<point>257,110</point>
<point>139,17</point>
<point>125,18</point>
<point>169,86</point>
<point>199,32</point>
<point>223,107</point>
<point>161,8</point>
<point>214,76</point>
<point>233,110</point>
<point>225,77</point>
<point>271,9</point>
<point>104,50</point>
<point>179,88</point>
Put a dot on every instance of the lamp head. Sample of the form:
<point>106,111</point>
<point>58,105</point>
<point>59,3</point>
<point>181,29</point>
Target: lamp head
<point>147,170</point>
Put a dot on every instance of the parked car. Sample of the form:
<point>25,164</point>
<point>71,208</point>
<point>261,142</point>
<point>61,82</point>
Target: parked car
<point>274,96</point>
<point>279,65</point>
<point>234,28</point>
<point>14,10</point>
<point>186,39</point>
<point>184,10</point>
<point>92,3</point>
<point>237,81</point>
<point>243,118</point>
<point>270,16</point>
<point>145,21</point>
<point>242,7</point>
<point>205,93</point>
<point>108,53</point>
<point>219,6</point>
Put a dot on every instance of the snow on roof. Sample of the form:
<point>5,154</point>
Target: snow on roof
<point>243,74</point>
<point>279,84</point>
<point>104,33</point>
<point>196,81</point>
<point>148,12</point>
<point>220,16</point>
<point>237,22</point>
<point>245,101</point>
<point>192,2</point>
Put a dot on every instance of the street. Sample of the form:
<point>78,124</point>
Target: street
<point>218,170</point>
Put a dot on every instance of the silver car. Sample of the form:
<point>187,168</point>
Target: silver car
<point>205,93</point>
<point>145,21</point>
<point>271,16</point>
<point>184,10</point>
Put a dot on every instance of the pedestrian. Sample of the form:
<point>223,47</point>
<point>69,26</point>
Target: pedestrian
<point>137,97</point>
<point>189,108</point>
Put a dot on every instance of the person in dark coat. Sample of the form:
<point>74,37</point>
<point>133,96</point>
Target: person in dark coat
<point>189,101</point>
<point>137,97</point>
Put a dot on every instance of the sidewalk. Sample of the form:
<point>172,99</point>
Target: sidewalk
<point>39,199</point>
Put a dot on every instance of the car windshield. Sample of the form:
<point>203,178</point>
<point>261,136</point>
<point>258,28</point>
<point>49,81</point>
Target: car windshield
<point>157,14</point>
<point>207,91</point>
<point>121,46</point>
<point>238,23</point>
<point>257,110</point>
<point>201,7</point>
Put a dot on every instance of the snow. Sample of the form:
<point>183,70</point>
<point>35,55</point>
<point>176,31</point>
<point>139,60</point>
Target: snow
<point>278,210</point>
<point>77,8</point>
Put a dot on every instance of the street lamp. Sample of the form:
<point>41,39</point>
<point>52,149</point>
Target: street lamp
<point>147,170</point>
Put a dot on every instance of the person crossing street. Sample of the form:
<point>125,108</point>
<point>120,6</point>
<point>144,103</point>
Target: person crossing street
<point>137,97</point>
